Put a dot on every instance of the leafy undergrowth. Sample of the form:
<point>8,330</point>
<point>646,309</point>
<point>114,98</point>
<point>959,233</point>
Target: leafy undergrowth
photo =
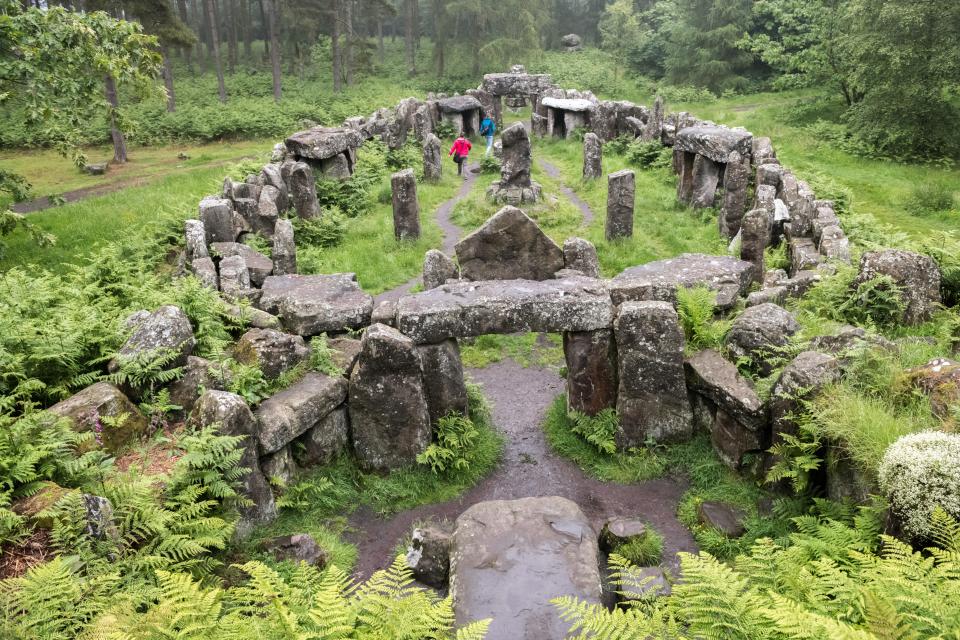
<point>527,349</point>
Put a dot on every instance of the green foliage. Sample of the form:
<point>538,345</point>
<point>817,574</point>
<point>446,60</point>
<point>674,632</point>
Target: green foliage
<point>325,231</point>
<point>840,297</point>
<point>322,357</point>
<point>642,551</point>
<point>599,430</point>
<point>490,164</point>
<point>527,349</point>
<point>454,436</point>
<point>797,459</point>
<point>929,198</point>
<point>695,308</point>
<point>649,154</point>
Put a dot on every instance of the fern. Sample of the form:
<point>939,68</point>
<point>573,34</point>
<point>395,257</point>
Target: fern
<point>695,308</point>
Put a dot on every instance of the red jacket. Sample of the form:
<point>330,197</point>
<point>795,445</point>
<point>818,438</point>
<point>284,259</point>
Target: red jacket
<point>461,146</point>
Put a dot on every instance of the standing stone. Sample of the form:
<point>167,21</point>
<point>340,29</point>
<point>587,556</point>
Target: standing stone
<point>736,177</point>
<point>389,414</point>
<point>234,276</point>
<point>284,249</point>
<point>267,213</point>
<point>303,191</point>
<point>509,245</point>
<point>196,238</point>
<point>206,272</point>
<point>422,122</point>
<point>428,555</point>
<point>754,237</point>
<point>706,175</point>
<point>515,186</point>
<point>272,176</point>
<point>437,269</point>
<point>231,414</point>
<point>216,214</point>
<point>591,360</point>
<point>654,126</point>
<point>580,255</point>
<point>652,400</point>
<point>443,382</point>
<point>406,208</point>
<point>683,162</point>
<point>432,159</point>
<point>592,156</point>
<point>620,196</point>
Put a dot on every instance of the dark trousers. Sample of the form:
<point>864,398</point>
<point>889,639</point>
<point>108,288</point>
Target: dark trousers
<point>460,162</point>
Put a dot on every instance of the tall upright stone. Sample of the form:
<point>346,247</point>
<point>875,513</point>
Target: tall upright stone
<point>303,191</point>
<point>406,208</point>
<point>432,159</point>
<point>592,156</point>
<point>389,413</point>
<point>652,400</point>
<point>591,359</point>
<point>621,187</point>
<point>736,178</point>
<point>654,126</point>
<point>515,186</point>
<point>754,238</point>
<point>705,177</point>
<point>284,249</point>
<point>683,162</point>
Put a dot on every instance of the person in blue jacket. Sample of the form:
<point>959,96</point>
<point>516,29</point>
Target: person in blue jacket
<point>487,128</point>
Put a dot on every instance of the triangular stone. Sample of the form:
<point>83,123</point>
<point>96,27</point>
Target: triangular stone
<point>509,246</point>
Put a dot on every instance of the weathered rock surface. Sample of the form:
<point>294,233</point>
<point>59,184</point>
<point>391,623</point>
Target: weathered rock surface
<point>443,382</point>
<point>800,380</point>
<point>939,379</point>
<point>509,246</point>
<point>704,181</point>
<point>234,277</point>
<point>310,305</point>
<point>385,312</point>
<point>258,265</point>
<point>591,359</point>
<point>736,179</point>
<point>198,375</point>
<point>303,191</point>
<point>515,167</point>
<point>580,255</point>
<point>299,547</point>
<point>345,353</point>
<point>459,104</point>
<point>231,414</point>
<point>322,443</point>
<point>754,238</point>
<point>432,158</point>
<point>279,466</point>
<point>621,187</point>
<point>717,379</point>
<point>437,269</point>
<point>918,276</point>
<point>509,558</point>
<point>714,142</point>
<point>759,332</point>
<point>592,156</point>
<point>206,272</point>
<point>103,400</point>
<point>652,400</point>
<point>196,240</point>
<point>505,306</point>
<point>659,280</point>
<point>322,143</point>
<point>571,42</point>
<point>284,249</point>
<point>406,207</point>
<point>389,414</point>
<point>428,555</point>
<point>165,331</point>
<point>216,214</point>
<point>284,416</point>
<point>621,530</point>
<point>726,518</point>
<point>273,351</point>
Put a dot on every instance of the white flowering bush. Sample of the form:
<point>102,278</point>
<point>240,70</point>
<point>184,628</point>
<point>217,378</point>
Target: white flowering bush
<point>919,472</point>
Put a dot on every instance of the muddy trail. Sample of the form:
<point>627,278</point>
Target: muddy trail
<point>520,398</point>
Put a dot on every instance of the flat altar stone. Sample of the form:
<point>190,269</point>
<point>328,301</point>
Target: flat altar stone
<point>568,104</point>
<point>714,142</point>
<point>321,143</point>
<point>459,104</point>
<point>505,306</point>
<point>659,280</point>
<point>509,558</point>
<point>312,304</point>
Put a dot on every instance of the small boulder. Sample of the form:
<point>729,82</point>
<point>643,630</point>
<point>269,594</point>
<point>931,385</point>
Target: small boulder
<point>103,400</point>
<point>299,547</point>
<point>581,255</point>
<point>759,333</point>
<point>321,444</point>
<point>443,381</point>
<point>385,313</point>
<point>621,530</point>
<point>917,275</point>
<point>199,375</point>
<point>273,351</point>
<point>234,277</point>
<point>939,379</point>
<point>196,240</point>
<point>312,304</point>
<point>345,352</point>
<point>437,269</point>
<point>723,517</point>
<point>428,555</point>
<point>258,265</point>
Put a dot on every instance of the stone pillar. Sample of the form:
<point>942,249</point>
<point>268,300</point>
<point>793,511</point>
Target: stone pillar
<point>432,158</point>
<point>592,156</point>
<point>620,194</point>
<point>406,209</point>
<point>591,370</point>
<point>683,167</point>
<point>303,191</point>
<point>736,178</point>
<point>196,237</point>
<point>284,249</point>
<point>437,269</point>
<point>216,214</point>
<point>443,382</point>
<point>755,235</point>
<point>652,400</point>
<point>539,118</point>
<point>706,176</point>
<point>389,414</point>
<point>654,124</point>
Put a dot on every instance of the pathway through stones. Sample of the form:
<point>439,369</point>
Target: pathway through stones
<point>552,171</point>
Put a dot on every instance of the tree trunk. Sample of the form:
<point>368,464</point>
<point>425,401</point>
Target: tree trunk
<point>247,29</point>
<point>381,49</point>
<point>185,51</point>
<point>215,49</point>
<point>335,46</point>
<point>168,80</point>
<point>266,27</point>
<point>231,9</point>
<point>348,49</point>
<point>439,37</point>
<point>409,15</point>
<point>119,142</point>
<point>272,29</point>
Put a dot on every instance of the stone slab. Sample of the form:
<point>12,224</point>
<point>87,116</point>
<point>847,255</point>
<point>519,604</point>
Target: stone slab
<point>312,304</point>
<point>659,280</point>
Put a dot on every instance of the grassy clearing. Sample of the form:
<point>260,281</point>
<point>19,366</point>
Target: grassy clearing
<point>527,349</point>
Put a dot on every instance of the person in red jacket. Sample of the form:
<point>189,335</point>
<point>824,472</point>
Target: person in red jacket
<point>460,150</point>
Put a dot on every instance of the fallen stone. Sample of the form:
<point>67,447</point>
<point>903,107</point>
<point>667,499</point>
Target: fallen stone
<point>510,558</point>
<point>834,244</point>
<point>716,378</point>
<point>659,280</point>
<point>581,255</point>
<point>591,359</point>
<point>939,380</point>
<point>800,380</point>
<point>803,255</point>
<point>252,317</point>
<point>571,42</point>
<point>273,177</point>
<point>389,414</point>
<point>96,169</point>
<point>723,517</point>
<point>437,269</point>
<point>620,200</point>
<point>258,265</point>
<point>847,339</point>
<point>321,444</point>
<point>86,409</point>
<point>732,440</point>
<point>284,416</point>
<point>428,555</point>
<point>652,401</point>
<point>505,306</point>
<point>35,507</point>
<point>509,246</point>
<point>314,304</point>
<point>763,153</point>
<point>272,351</point>
<point>759,334</point>
<point>299,547</point>
<point>98,518</point>
<point>714,143</point>
<point>917,275</point>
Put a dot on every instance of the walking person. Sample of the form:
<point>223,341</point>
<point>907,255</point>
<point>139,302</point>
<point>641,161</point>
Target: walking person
<point>487,128</point>
<point>460,150</point>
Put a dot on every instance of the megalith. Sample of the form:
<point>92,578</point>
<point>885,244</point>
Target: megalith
<point>620,197</point>
<point>754,238</point>
<point>284,249</point>
<point>303,191</point>
<point>406,208</point>
<point>705,177</point>
<point>736,178</point>
<point>432,159</point>
<point>592,156</point>
<point>508,246</point>
<point>515,186</point>
<point>591,359</point>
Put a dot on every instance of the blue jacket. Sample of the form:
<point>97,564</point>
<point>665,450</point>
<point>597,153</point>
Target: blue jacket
<point>488,127</point>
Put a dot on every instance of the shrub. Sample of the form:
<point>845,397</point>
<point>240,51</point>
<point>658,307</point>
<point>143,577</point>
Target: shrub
<point>649,154</point>
<point>455,437</point>
<point>920,472</point>
<point>929,198</point>
<point>490,164</point>
<point>876,301</point>
<point>325,231</point>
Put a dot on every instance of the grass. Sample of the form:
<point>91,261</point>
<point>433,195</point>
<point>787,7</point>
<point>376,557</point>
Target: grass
<point>642,551</point>
<point>527,349</point>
